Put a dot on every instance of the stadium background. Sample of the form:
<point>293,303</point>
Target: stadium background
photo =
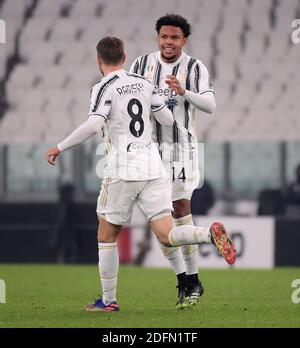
<point>251,150</point>
<point>252,144</point>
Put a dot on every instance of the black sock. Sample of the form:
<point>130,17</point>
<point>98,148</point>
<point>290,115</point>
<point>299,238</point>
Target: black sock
<point>181,277</point>
<point>192,278</point>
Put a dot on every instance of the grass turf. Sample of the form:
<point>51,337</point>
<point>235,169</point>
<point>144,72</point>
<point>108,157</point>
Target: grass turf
<point>54,296</point>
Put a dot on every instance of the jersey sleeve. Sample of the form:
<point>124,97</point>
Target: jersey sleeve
<point>101,101</point>
<point>201,80</point>
<point>157,103</point>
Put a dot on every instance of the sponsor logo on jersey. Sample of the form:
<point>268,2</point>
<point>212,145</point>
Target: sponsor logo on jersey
<point>171,102</point>
<point>133,147</point>
<point>165,92</point>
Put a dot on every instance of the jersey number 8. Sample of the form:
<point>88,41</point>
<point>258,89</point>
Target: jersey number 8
<point>136,117</point>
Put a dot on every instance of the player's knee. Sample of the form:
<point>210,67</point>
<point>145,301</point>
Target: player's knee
<point>99,235</point>
<point>181,208</point>
<point>106,239</point>
<point>164,240</point>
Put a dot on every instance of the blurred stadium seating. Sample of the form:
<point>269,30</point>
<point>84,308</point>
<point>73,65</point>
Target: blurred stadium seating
<point>48,66</point>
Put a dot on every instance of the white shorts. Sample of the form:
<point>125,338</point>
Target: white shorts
<point>184,178</point>
<point>117,198</point>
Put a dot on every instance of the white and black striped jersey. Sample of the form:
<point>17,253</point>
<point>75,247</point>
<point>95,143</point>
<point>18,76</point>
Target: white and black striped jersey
<point>125,100</point>
<point>194,77</point>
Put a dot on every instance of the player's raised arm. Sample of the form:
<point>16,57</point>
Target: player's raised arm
<point>205,102</point>
<point>202,94</point>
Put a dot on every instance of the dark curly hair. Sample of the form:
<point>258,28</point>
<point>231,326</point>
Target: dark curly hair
<point>176,21</point>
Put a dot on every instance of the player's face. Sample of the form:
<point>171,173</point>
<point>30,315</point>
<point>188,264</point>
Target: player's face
<point>171,41</point>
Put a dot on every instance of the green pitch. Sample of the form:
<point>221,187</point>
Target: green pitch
<point>54,296</point>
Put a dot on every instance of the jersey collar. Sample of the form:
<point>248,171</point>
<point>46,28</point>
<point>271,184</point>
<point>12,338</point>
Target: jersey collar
<point>171,65</point>
<point>108,76</point>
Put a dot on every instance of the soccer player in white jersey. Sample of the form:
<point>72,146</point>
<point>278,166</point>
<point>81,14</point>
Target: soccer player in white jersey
<point>134,171</point>
<point>185,85</point>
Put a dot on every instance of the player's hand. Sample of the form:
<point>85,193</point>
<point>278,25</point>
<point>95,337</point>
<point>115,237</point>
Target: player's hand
<point>174,84</point>
<point>51,155</point>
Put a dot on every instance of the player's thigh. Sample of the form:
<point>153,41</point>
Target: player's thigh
<point>116,200</point>
<point>155,198</point>
<point>183,189</point>
<point>181,197</point>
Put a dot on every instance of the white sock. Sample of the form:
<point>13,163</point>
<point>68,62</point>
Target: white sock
<point>189,252</point>
<point>175,258</point>
<point>108,270</point>
<point>187,234</point>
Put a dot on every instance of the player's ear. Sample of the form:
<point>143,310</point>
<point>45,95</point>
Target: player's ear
<point>124,58</point>
<point>100,63</point>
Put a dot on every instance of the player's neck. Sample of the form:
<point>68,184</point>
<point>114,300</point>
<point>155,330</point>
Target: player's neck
<point>107,69</point>
<point>171,60</point>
